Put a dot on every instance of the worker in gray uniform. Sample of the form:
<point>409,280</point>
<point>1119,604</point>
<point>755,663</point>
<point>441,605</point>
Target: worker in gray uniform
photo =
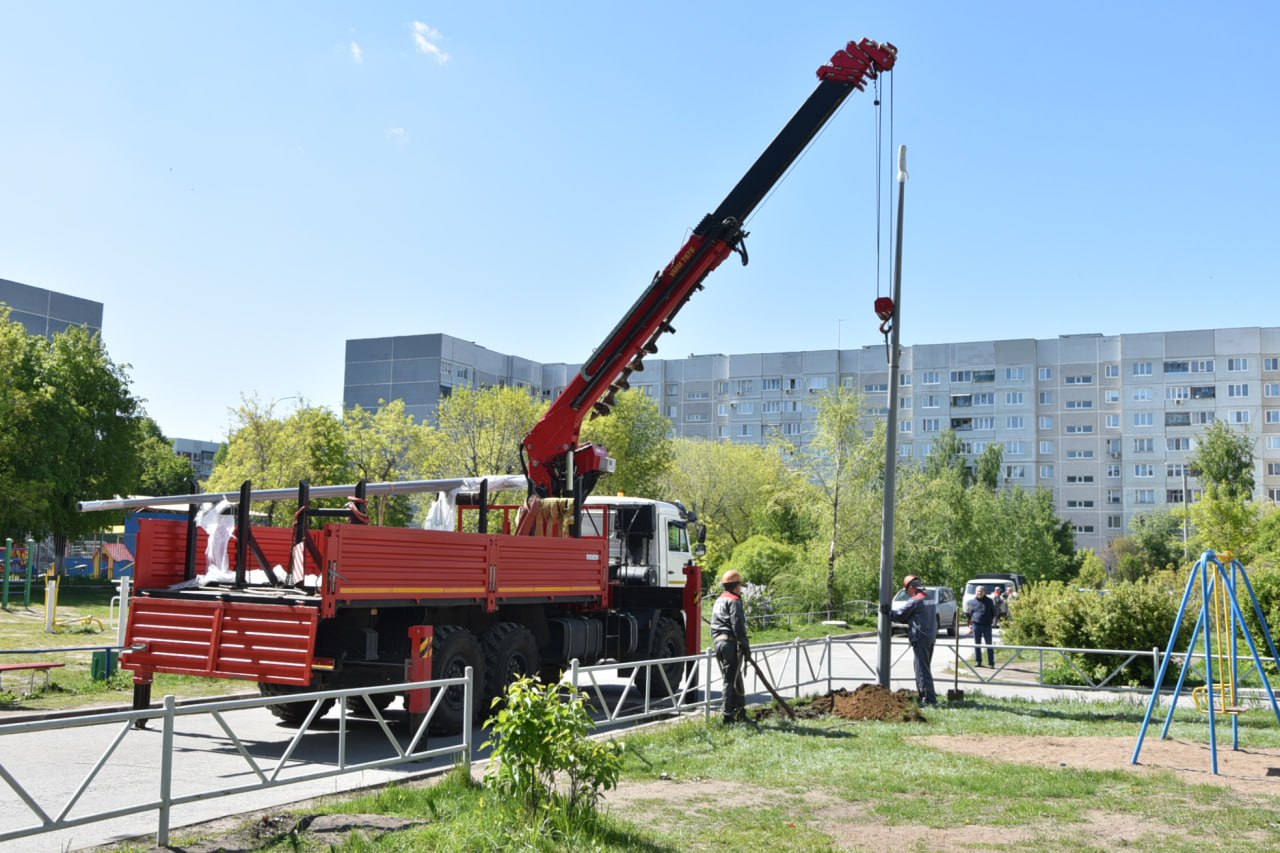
<point>733,650</point>
<point>921,616</point>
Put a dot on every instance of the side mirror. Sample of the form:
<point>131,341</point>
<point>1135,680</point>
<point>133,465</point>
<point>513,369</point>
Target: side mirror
<point>702,533</point>
<point>699,550</point>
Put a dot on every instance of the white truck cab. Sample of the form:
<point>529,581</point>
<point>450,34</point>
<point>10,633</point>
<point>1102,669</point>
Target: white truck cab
<point>650,542</point>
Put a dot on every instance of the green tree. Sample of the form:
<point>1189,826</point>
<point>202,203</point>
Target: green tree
<point>948,453</point>
<point>87,424</point>
<point>383,446</point>
<point>1224,461</point>
<point>23,500</point>
<point>1093,572</point>
<point>163,472</point>
<point>277,453</point>
<point>725,484</point>
<point>638,436</point>
<point>480,432</point>
<point>761,559</point>
<point>990,466</point>
<point>1156,539</point>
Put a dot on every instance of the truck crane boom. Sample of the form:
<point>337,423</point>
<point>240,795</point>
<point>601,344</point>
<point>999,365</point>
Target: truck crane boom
<point>556,465</point>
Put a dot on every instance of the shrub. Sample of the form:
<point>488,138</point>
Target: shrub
<point>759,606</point>
<point>543,755</point>
<point>760,559</point>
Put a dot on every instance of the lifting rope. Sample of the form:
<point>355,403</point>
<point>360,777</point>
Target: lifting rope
<point>885,310</point>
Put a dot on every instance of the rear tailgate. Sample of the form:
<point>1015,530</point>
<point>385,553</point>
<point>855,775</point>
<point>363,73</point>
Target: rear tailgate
<point>223,639</point>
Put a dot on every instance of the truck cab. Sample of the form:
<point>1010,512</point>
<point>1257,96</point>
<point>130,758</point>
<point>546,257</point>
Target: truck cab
<point>650,542</point>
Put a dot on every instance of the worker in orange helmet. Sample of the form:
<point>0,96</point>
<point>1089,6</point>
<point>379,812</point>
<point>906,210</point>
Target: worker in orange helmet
<point>729,631</point>
<point>921,616</point>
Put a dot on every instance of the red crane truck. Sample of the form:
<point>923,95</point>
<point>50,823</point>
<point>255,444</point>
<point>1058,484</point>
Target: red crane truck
<point>580,577</point>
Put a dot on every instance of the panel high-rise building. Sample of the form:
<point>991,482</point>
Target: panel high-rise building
<point>1107,422</point>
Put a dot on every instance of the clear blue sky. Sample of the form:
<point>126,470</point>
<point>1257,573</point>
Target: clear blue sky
<point>245,186</point>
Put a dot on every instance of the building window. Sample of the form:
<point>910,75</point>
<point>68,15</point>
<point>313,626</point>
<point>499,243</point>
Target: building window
<point>1181,443</point>
<point>1079,404</point>
<point>932,401</point>
<point>745,430</point>
<point>1046,373</point>
<point>1177,392</point>
<point>1273,495</point>
<point>984,375</point>
<point>1176,469</point>
<point>986,398</point>
<point>771,407</point>
<point>1015,374</point>
<point>1113,422</point>
<point>1144,496</point>
<point>1204,365</point>
<point>817,383</point>
<point>930,377</point>
<point>962,424</point>
<point>904,379</point>
<point>793,428</point>
<point>1014,398</point>
<point>876,387</point>
<point>1144,419</point>
<point>1111,396</point>
<point>1144,445</point>
<point>1075,479</point>
<point>745,386</point>
<point>1079,503</point>
<point>1083,528</point>
<point>1177,367</point>
<point>1113,522</point>
<point>1239,416</point>
<point>904,450</point>
<point>904,426</point>
<point>1046,422</point>
<point>930,424</point>
<point>723,410</point>
<point>1079,454</point>
<point>695,417</point>
<point>1142,395</point>
<point>1177,419</point>
<point>904,402</point>
<point>746,408</point>
<point>1113,497</point>
<point>673,389</point>
<point>1271,416</point>
<point>1238,390</point>
<point>1203,392</point>
<point>773,383</point>
<point>1113,472</point>
<point>987,422</point>
<point>1015,472</point>
<point>1144,469</point>
<point>1082,379</point>
<point>1173,496</point>
<point>1237,365</point>
<point>722,431</point>
<point>1015,422</point>
<point>1046,447</point>
<point>1271,389</point>
<point>1045,398</point>
<point>961,401</point>
<point>1142,368</point>
<point>1273,442</point>
<point>1046,472</point>
<point>673,412</point>
<point>1111,371</point>
<point>1014,448</point>
<point>697,395</point>
<point>961,376</point>
<point>1079,429</point>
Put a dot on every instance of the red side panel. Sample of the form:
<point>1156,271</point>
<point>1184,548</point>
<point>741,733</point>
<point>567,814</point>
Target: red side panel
<point>380,563</point>
<point>260,642</point>
<point>162,549</point>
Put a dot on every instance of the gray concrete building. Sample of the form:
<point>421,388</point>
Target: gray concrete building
<point>1107,422</point>
<point>47,312</point>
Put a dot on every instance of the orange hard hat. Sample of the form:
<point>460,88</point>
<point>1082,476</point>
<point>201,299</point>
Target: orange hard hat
<point>731,576</point>
<point>910,581</point>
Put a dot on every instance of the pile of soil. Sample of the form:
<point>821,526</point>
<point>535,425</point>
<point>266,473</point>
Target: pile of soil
<point>867,702</point>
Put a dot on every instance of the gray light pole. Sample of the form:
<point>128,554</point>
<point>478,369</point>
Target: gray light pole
<point>891,439</point>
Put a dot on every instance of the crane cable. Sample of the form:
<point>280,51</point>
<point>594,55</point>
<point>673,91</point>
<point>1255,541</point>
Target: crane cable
<point>884,307</point>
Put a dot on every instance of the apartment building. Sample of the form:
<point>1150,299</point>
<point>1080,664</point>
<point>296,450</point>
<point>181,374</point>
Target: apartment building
<point>47,312</point>
<point>1107,422</point>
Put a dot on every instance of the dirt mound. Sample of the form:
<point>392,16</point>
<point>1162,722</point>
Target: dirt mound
<point>867,702</point>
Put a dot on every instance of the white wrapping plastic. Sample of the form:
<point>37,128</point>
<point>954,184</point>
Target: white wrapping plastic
<point>443,513</point>
<point>220,530</point>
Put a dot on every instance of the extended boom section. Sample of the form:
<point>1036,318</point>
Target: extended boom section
<point>553,456</point>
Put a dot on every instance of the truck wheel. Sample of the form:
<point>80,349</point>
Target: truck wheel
<point>357,705</point>
<point>453,649</point>
<point>292,714</point>
<point>668,642</point>
<point>510,651</point>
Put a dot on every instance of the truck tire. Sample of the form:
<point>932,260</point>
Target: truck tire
<point>668,642</point>
<point>292,714</point>
<point>357,705</point>
<point>510,651</point>
<point>453,649</point>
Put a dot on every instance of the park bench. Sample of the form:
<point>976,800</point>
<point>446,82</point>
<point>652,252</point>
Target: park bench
<point>33,667</point>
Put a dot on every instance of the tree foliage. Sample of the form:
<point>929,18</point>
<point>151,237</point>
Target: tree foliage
<point>1224,461</point>
<point>480,432</point>
<point>163,471</point>
<point>383,446</point>
<point>638,437</point>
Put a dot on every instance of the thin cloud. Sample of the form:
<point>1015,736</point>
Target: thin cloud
<point>398,135</point>
<point>356,53</point>
<point>426,38</point>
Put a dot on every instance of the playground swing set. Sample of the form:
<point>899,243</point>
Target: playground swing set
<point>1220,626</point>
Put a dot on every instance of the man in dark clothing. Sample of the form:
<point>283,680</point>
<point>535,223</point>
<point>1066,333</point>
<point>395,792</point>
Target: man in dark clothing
<point>729,630</point>
<point>981,613</point>
<point>921,616</point>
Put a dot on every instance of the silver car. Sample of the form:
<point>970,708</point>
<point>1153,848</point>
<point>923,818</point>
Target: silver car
<point>943,599</point>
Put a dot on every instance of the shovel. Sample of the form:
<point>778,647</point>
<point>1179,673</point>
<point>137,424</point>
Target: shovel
<point>955,694</point>
<point>772,692</point>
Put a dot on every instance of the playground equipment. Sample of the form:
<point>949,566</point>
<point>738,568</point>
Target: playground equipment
<point>1221,623</point>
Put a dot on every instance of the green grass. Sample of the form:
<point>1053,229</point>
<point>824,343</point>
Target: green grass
<point>81,619</point>
<point>829,784</point>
